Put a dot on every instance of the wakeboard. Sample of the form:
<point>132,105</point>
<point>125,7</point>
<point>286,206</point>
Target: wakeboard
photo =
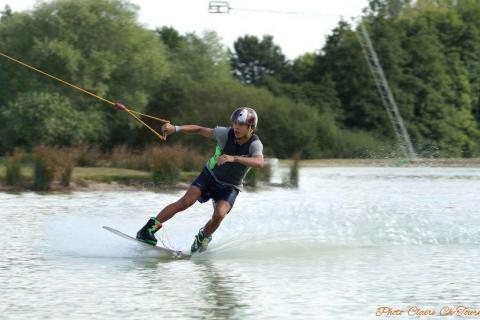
<point>170,252</point>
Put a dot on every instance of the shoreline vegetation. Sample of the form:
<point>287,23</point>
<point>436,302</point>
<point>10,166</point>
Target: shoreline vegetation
<point>164,168</point>
<point>47,168</point>
<point>321,105</point>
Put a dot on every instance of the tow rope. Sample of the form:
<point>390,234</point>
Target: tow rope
<point>119,106</point>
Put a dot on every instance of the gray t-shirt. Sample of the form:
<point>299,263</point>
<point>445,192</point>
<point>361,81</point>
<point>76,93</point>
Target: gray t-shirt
<point>221,134</point>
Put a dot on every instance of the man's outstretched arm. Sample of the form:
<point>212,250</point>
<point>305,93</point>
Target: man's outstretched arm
<point>188,129</point>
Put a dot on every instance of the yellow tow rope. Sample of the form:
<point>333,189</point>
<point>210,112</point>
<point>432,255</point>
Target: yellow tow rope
<point>119,106</point>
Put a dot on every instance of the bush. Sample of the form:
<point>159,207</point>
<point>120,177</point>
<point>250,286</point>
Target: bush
<point>68,157</point>
<point>13,165</point>
<point>186,159</point>
<point>45,161</point>
<point>50,163</point>
<point>265,172</point>
<point>47,118</point>
<point>122,157</point>
<point>252,177</point>
<point>192,160</point>
<point>164,165</point>
<point>361,144</point>
<point>291,180</point>
<point>258,174</point>
<point>87,156</point>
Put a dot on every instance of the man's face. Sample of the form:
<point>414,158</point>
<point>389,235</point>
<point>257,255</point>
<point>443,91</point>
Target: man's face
<point>240,129</point>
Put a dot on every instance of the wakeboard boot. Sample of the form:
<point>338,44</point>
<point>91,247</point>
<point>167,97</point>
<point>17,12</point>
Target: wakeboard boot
<point>147,233</point>
<point>201,242</point>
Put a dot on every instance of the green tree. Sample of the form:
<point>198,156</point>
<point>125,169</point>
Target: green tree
<point>7,12</point>
<point>98,45</point>
<point>443,107</point>
<point>468,43</point>
<point>254,59</point>
<point>195,61</point>
<point>342,61</point>
<point>47,118</point>
<point>202,90</point>
<point>388,8</point>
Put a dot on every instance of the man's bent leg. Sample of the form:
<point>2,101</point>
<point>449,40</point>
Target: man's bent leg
<point>188,199</point>
<point>221,209</point>
<point>147,233</point>
<point>204,236</point>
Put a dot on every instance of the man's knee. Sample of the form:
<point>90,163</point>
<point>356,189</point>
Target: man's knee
<point>186,201</point>
<point>189,198</point>
<point>221,210</point>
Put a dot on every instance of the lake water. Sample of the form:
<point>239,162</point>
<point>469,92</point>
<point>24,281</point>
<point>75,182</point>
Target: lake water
<point>347,242</point>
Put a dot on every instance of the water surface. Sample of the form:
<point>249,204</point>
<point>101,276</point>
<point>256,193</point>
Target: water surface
<point>348,241</point>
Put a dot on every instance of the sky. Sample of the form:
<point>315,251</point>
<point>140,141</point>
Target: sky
<point>298,26</point>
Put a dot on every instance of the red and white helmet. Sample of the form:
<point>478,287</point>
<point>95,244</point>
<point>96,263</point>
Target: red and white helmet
<point>245,115</point>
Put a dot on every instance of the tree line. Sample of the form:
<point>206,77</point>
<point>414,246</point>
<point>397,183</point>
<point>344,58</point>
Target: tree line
<point>322,104</point>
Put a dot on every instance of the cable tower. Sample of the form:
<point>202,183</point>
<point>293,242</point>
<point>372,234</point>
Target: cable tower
<point>384,91</point>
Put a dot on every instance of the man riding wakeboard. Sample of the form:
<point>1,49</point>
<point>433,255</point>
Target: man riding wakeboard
<point>238,149</point>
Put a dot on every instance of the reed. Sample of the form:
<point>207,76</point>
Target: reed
<point>45,161</point>
<point>123,157</point>
<point>13,165</point>
<point>255,175</point>
<point>68,158</point>
<point>88,156</point>
<point>291,180</point>
<point>165,166</point>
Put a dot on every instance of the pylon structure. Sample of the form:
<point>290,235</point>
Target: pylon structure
<point>384,91</point>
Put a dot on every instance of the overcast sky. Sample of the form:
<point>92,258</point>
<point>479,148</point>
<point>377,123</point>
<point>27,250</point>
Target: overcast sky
<point>302,29</point>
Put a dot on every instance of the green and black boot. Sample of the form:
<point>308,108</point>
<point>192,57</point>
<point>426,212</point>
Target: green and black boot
<point>200,243</point>
<point>147,233</point>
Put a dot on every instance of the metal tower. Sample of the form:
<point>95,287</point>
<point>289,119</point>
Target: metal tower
<point>385,92</point>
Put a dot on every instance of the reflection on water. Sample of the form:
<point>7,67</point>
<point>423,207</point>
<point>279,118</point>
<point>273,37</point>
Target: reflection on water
<point>346,242</point>
<point>218,294</point>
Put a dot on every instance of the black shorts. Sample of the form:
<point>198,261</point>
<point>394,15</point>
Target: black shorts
<point>211,189</point>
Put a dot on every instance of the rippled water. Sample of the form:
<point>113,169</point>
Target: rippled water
<point>348,241</point>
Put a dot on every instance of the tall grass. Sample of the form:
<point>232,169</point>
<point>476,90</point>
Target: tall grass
<point>50,163</point>
<point>88,156</point>
<point>45,161</point>
<point>68,160</point>
<point>13,165</point>
<point>335,142</point>
<point>258,174</point>
<point>291,180</point>
<point>164,164</point>
<point>186,159</point>
<point>123,157</point>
